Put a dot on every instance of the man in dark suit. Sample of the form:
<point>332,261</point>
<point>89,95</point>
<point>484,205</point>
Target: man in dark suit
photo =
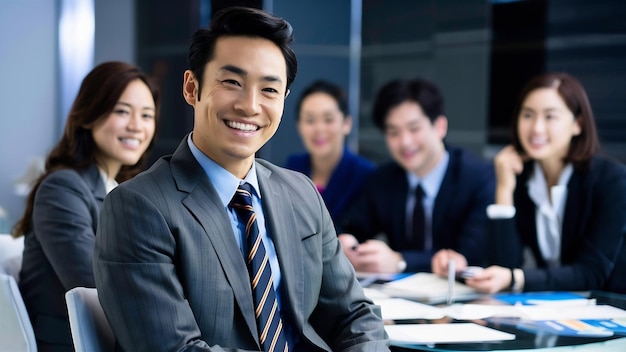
<point>169,256</point>
<point>429,202</point>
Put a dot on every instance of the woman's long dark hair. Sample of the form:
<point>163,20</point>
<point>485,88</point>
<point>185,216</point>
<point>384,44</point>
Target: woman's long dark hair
<point>99,92</point>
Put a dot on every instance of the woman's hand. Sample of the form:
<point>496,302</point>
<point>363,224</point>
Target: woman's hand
<point>491,280</point>
<point>508,163</point>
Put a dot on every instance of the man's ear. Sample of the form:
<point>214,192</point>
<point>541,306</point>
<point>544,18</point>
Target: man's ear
<point>441,126</point>
<point>190,88</point>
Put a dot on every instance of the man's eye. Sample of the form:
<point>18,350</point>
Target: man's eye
<point>231,81</point>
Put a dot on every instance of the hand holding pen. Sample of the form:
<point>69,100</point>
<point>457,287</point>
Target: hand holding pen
<point>441,259</point>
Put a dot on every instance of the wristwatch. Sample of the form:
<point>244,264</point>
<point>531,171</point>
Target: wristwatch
<point>401,266</point>
<point>516,286</point>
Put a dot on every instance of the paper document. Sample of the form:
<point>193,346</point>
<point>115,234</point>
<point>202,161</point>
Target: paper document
<point>374,294</point>
<point>402,309</point>
<point>543,312</point>
<point>406,334</point>
<point>428,288</point>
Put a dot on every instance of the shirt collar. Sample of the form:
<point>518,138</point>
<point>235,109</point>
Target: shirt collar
<point>538,189</point>
<point>109,183</point>
<point>432,181</point>
<point>224,182</point>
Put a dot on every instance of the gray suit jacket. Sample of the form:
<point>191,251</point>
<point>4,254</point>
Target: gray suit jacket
<point>170,275</point>
<point>58,250</point>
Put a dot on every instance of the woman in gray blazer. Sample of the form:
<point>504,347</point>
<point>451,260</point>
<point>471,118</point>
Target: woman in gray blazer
<point>109,129</point>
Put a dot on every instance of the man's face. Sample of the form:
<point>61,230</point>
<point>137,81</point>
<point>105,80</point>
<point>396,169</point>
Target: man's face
<point>414,142</point>
<point>243,96</point>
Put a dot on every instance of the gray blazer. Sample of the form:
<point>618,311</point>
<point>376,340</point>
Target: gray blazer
<point>58,250</point>
<point>170,275</point>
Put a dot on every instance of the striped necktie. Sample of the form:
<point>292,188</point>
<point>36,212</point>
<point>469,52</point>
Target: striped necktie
<point>269,323</point>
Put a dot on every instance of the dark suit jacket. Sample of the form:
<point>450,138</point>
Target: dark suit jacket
<point>58,252</point>
<point>170,275</point>
<point>344,184</point>
<point>594,228</point>
<point>459,219</point>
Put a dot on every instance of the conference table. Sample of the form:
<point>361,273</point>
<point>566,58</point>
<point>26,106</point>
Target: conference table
<point>525,339</point>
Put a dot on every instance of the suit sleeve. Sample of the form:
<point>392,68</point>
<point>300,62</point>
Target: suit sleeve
<point>64,217</point>
<point>138,287</point>
<point>473,234</point>
<point>344,317</point>
<point>360,217</point>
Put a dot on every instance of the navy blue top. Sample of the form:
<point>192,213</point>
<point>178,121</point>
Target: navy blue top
<point>344,184</point>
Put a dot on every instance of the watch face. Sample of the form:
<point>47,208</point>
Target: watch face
<point>401,266</point>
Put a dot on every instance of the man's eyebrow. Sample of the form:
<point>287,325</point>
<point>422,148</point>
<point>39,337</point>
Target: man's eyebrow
<point>242,72</point>
<point>234,69</point>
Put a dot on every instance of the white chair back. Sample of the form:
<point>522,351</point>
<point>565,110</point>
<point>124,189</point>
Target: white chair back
<point>90,329</point>
<point>11,255</point>
<point>16,331</point>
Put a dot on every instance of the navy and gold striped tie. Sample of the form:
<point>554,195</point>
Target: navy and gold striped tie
<point>269,323</point>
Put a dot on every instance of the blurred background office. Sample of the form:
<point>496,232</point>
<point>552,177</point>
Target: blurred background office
<point>479,52</point>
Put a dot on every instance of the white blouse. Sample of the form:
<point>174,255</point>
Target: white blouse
<point>550,211</point>
<point>109,183</point>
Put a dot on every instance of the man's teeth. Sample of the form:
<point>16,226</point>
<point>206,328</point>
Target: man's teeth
<point>131,141</point>
<point>241,126</point>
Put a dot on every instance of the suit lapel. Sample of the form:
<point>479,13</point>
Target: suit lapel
<point>399,189</point>
<point>444,200</point>
<point>573,212</point>
<point>94,181</point>
<point>204,204</point>
<point>280,219</point>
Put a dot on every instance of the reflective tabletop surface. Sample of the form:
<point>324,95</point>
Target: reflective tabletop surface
<point>528,338</point>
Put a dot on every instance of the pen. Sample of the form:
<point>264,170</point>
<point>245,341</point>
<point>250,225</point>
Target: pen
<point>451,278</point>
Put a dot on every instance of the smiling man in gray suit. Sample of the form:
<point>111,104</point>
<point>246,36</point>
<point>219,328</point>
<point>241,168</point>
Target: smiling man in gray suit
<point>169,256</point>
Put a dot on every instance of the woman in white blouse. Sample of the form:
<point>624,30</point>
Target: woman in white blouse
<point>559,219</point>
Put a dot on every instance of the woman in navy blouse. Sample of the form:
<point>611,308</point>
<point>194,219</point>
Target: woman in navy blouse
<point>323,123</point>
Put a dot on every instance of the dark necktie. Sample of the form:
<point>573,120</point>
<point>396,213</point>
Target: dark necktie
<point>269,323</point>
<point>418,219</point>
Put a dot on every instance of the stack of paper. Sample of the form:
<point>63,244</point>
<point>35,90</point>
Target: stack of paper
<point>428,288</point>
<point>402,309</point>
<point>407,334</point>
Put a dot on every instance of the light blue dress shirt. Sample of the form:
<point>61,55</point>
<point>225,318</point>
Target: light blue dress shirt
<point>226,185</point>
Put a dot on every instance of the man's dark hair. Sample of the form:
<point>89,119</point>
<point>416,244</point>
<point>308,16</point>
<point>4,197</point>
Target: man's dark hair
<point>241,21</point>
<point>417,90</point>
